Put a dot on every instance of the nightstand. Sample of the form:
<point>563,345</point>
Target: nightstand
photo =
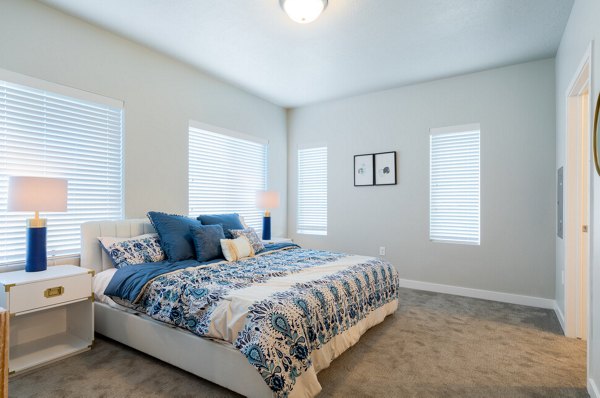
<point>51,314</point>
<point>278,240</point>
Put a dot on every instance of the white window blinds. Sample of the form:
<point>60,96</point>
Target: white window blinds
<point>312,191</point>
<point>46,134</point>
<point>454,185</point>
<point>225,172</point>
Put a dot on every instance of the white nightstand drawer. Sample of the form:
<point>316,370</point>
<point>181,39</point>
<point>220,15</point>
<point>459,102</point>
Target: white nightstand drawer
<point>37,295</point>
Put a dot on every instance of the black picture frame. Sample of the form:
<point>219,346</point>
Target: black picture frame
<point>385,174</point>
<point>369,170</point>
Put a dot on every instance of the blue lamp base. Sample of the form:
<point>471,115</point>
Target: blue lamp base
<point>36,259</point>
<point>266,232</point>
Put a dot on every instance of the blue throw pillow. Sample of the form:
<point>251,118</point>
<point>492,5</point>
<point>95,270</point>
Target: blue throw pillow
<point>207,241</point>
<point>175,236</point>
<point>227,221</point>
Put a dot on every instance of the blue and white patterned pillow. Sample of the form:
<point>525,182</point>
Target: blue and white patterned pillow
<point>252,236</point>
<point>137,250</point>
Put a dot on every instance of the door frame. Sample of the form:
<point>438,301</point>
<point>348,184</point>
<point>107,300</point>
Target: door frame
<point>575,272</point>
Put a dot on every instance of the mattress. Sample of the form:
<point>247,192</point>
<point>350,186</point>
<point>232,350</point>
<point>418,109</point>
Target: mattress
<point>290,311</point>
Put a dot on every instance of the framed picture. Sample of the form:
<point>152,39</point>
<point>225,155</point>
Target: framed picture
<point>385,168</point>
<point>363,170</point>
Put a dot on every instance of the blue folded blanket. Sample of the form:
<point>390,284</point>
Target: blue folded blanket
<point>128,282</point>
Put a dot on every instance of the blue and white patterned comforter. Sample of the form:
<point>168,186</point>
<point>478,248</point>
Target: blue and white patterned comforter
<point>279,308</point>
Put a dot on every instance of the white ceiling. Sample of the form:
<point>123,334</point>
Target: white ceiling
<point>356,46</point>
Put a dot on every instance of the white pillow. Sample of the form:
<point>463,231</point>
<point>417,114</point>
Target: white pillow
<point>235,249</point>
<point>107,241</point>
<point>244,222</point>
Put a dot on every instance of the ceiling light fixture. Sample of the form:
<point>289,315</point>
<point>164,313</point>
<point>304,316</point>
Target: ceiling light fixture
<point>303,11</point>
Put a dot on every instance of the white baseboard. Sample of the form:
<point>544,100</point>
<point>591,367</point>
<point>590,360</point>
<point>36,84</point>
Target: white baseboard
<point>593,389</point>
<point>560,316</point>
<point>480,294</point>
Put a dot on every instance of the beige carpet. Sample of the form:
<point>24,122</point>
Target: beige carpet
<point>435,346</point>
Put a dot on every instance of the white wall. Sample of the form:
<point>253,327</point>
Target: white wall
<point>516,108</point>
<point>582,28</point>
<point>161,96</point>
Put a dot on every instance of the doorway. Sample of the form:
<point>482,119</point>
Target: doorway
<point>578,172</point>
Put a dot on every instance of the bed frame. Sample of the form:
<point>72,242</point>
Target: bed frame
<point>213,360</point>
<point>217,362</point>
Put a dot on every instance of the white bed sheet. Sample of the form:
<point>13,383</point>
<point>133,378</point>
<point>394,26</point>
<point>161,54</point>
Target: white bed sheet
<point>99,283</point>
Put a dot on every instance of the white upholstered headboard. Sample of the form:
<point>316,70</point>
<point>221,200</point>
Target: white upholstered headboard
<point>92,254</point>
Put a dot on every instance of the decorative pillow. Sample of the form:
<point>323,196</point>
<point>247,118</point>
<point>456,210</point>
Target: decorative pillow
<point>252,236</point>
<point>243,222</point>
<point>235,249</point>
<point>175,235</point>
<point>207,241</point>
<point>227,221</point>
<point>137,250</point>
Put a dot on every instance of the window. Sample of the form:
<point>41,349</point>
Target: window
<point>312,191</point>
<point>454,185</point>
<point>226,170</point>
<point>47,130</point>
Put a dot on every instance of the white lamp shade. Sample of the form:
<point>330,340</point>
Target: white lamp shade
<point>37,194</point>
<point>267,199</point>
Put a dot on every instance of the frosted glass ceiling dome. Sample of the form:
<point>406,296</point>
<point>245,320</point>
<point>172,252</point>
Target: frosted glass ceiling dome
<point>303,11</point>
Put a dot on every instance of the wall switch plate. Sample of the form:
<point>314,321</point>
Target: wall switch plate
<point>382,251</point>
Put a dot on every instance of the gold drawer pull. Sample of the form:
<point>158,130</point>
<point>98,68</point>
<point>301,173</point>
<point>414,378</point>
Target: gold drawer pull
<point>54,291</point>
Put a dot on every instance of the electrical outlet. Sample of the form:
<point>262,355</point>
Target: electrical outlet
<point>382,251</point>
<point>562,276</point>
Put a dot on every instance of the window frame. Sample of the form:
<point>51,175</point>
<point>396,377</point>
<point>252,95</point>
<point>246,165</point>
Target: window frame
<point>92,99</point>
<point>310,232</point>
<point>196,125</point>
<point>450,130</point>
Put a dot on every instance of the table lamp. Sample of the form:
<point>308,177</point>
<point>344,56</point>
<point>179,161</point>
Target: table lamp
<point>37,194</point>
<point>267,200</point>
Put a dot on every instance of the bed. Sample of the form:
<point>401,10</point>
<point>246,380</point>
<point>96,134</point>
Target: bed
<point>262,326</point>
